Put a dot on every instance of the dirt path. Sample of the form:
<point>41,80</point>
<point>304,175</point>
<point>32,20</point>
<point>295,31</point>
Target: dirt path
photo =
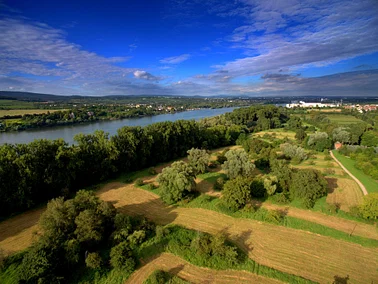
<point>309,255</point>
<point>363,188</point>
<point>194,274</point>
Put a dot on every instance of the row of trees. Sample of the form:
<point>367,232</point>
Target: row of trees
<point>35,172</point>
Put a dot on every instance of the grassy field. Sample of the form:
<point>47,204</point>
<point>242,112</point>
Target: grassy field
<point>25,111</point>
<point>370,184</point>
<point>14,104</point>
<point>341,119</point>
<point>278,133</point>
<point>194,274</point>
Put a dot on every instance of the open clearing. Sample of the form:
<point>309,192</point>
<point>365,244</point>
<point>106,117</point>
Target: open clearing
<point>26,111</point>
<point>16,233</point>
<point>311,256</point>
<point>194,274</point>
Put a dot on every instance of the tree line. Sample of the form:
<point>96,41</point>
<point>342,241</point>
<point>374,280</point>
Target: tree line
<point>33,173</point>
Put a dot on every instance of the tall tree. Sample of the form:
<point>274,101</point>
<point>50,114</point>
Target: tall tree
<point>238,164</point>
<point>176,182</point>
<point>199,160</point>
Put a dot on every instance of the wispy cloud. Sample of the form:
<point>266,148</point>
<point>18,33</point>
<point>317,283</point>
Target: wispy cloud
<point>37,49</point>
<point>293,33</point>
<point>175,59</point>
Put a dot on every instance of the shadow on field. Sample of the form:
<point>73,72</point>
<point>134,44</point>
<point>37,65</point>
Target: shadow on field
<point>240,240</point>
<point>332,184</point>
<point>154,210</point>
<point>20,223</point>
<point>176,270</point>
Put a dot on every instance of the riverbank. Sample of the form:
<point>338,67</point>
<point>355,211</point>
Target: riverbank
<point>67,132</point>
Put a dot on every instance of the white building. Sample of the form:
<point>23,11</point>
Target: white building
<point>310,105</point>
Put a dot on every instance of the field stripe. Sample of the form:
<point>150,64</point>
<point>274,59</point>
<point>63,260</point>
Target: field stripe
<point>297,252</point>
<point>194,274</point>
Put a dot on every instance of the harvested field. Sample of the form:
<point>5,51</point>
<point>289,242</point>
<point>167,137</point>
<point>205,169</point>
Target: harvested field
<point>345,192</point>
<point>16,233</point>
<point>194,274</point>
<point>344,225</point>
<point>311,256</point>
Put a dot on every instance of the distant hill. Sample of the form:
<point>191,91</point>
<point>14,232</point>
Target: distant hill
<point>33,97</point>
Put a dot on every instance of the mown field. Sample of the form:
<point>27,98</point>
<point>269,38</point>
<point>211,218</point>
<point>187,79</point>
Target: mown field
<point>193,274</point>
<point>297,252</point>
<point>370,184</point>
<point>316,250</point>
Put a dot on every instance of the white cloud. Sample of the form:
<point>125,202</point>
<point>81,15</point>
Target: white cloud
<point>175,59</point>
<point>145,75</point>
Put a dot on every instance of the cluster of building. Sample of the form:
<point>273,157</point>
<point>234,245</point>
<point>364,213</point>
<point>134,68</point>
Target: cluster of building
<point>362,108</point>
<point>311,105</point>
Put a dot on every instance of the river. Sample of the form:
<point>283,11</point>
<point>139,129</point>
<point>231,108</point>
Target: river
<point>109,126</point>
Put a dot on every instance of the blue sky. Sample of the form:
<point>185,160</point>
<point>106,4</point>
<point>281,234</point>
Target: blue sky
<point>182,47</point>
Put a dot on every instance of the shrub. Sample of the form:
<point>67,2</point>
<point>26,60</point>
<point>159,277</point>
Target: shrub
<point>369,206</point>
<point>152,171</point>
<point>158,277</point>
<point>219,183</point>
<point>151,186</point>
<point>329,172</point>
<point>139,182</point>
<point>237,192</point>
<point>274,216</point>
<point>93,260</point>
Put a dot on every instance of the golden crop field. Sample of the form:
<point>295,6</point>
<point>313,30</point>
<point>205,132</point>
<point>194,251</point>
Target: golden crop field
<point>309,255</point>
<point>194,274</point>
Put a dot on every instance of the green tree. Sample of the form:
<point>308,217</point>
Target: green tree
<point>121,257</point>
<point>93,260</point>
<point>176,182</point>
<point>369,206</point>
<point>199,160</point>
<point>370,139</point>
<point>300,134</point>
<point>237,192</point>
<point>89,227</point>
<point>319,141</point>
<point>341,134</point>
<point>238,164</point>
<point>308,185</point>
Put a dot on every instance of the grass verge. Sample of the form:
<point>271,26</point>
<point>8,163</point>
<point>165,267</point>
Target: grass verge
<point>370,184</point>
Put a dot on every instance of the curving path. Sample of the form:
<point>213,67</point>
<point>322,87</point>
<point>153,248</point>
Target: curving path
<point>363,188</point>
<point>194,274</point>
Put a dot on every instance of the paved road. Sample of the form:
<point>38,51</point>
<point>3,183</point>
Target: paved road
<point>363,188</point>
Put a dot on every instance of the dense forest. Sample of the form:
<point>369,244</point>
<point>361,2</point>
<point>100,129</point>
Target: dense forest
<point>33,173</point>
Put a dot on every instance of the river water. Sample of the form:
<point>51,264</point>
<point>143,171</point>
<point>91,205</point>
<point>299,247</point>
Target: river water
<point>110,126</point>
